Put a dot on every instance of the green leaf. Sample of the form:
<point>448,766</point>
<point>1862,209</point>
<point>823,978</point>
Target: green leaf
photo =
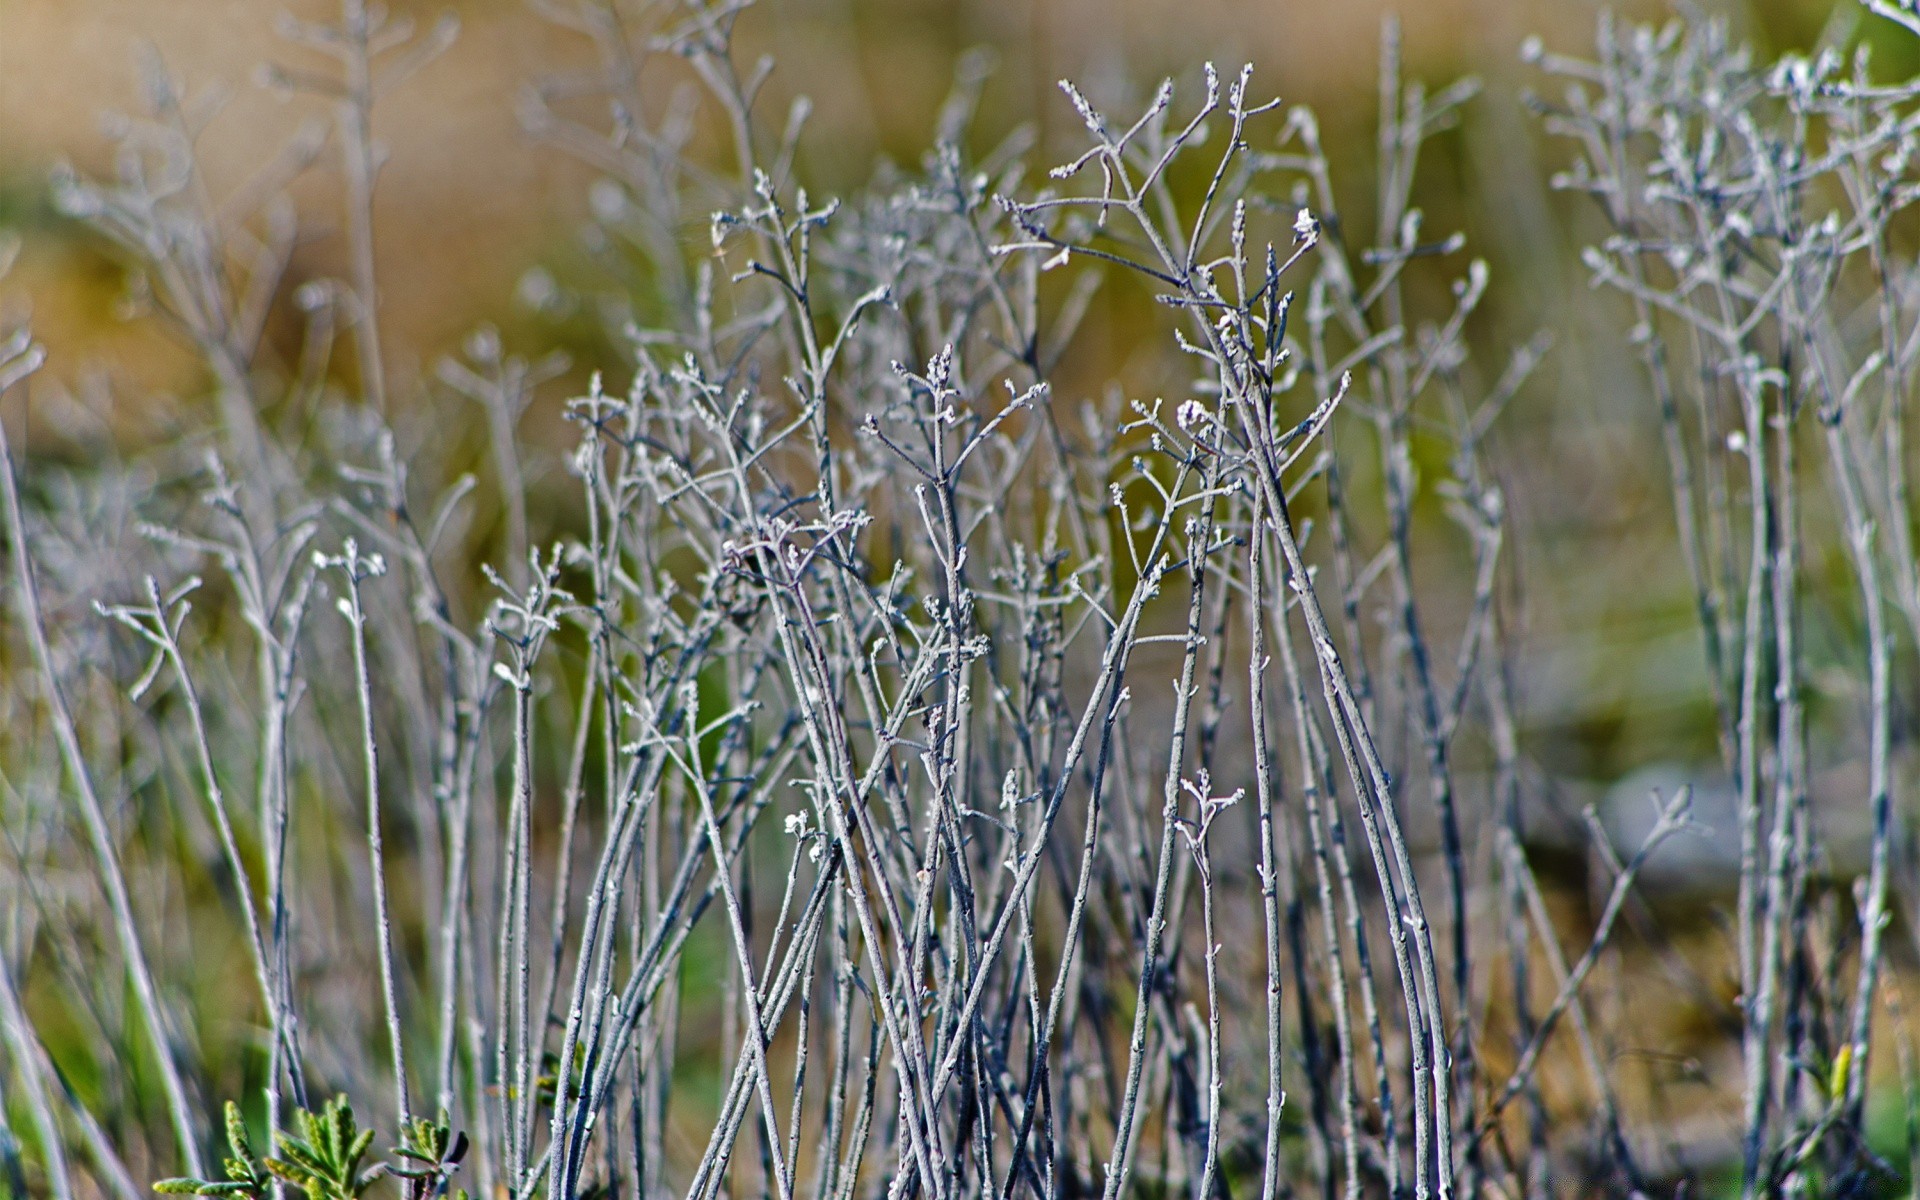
<point>299,1156</point>
<point>204,1187</point>
<point>339,1119</point>
<point>1838,1078</point>
<point>237,1139</point>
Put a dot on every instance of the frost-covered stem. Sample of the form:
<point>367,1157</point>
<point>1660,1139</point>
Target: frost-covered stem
<point>1120,1162</point>
<point>354,568</point>
<point>1265,797</point>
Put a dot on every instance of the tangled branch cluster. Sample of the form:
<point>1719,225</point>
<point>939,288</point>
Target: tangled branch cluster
<point>888,780</point>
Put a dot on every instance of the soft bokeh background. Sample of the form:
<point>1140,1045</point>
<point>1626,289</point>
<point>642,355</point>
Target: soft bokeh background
<point>469,201</point>
<point>473,215</point>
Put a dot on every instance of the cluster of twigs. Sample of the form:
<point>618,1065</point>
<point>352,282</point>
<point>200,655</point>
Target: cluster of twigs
<point>860,783</point>
<point>1761,237</point>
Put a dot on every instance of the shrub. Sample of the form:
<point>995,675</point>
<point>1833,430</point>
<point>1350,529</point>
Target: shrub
<point>869,772</point>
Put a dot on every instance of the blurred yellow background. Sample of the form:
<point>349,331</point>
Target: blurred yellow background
<point>468,200</point>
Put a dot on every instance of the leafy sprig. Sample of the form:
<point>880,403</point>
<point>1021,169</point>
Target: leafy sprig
<point>246,1175</point>
<point>324,1158</point>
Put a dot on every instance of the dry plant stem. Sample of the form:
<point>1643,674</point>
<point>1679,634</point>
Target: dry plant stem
<point>1377,815</point>
<point>1861,546</point>
<point>457,744</point>
<point>1610,144</point>
<point>455,898</point>
<point>1497,688</point>
<point>589,714</point>
<point>354,568</point>
<point>188,251</point>
<point>1576,1008</point>
<point>1765,538</point>
<point>1211,954</point>
<point>612,1026</point>
<point>516,1054</point>
<point>840,1040</point>
<point>1120,1162</point>
<point>1431,1057</point>
<point>756,1032</point>
<point>1672,819</point>
<point>1316,778</point>
<point>1895,359</point>
<point>112,879</point>
<point>105,1156</point>
<point>1116,697</point>
<point>1265,797</point>
<point>807,671</point>
<point>277,660</point>
<point>774,995</point>
<point>1109,674</point>
<point>1432,1126</point>
<point>250,573</point>
<point>1786,903</point>
<point>1757,921</point>
<point>592,987</point>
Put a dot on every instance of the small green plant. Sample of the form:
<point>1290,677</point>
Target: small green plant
<point>246,1175</point>
<point>324,1161</point>
<point>437,1150</point>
